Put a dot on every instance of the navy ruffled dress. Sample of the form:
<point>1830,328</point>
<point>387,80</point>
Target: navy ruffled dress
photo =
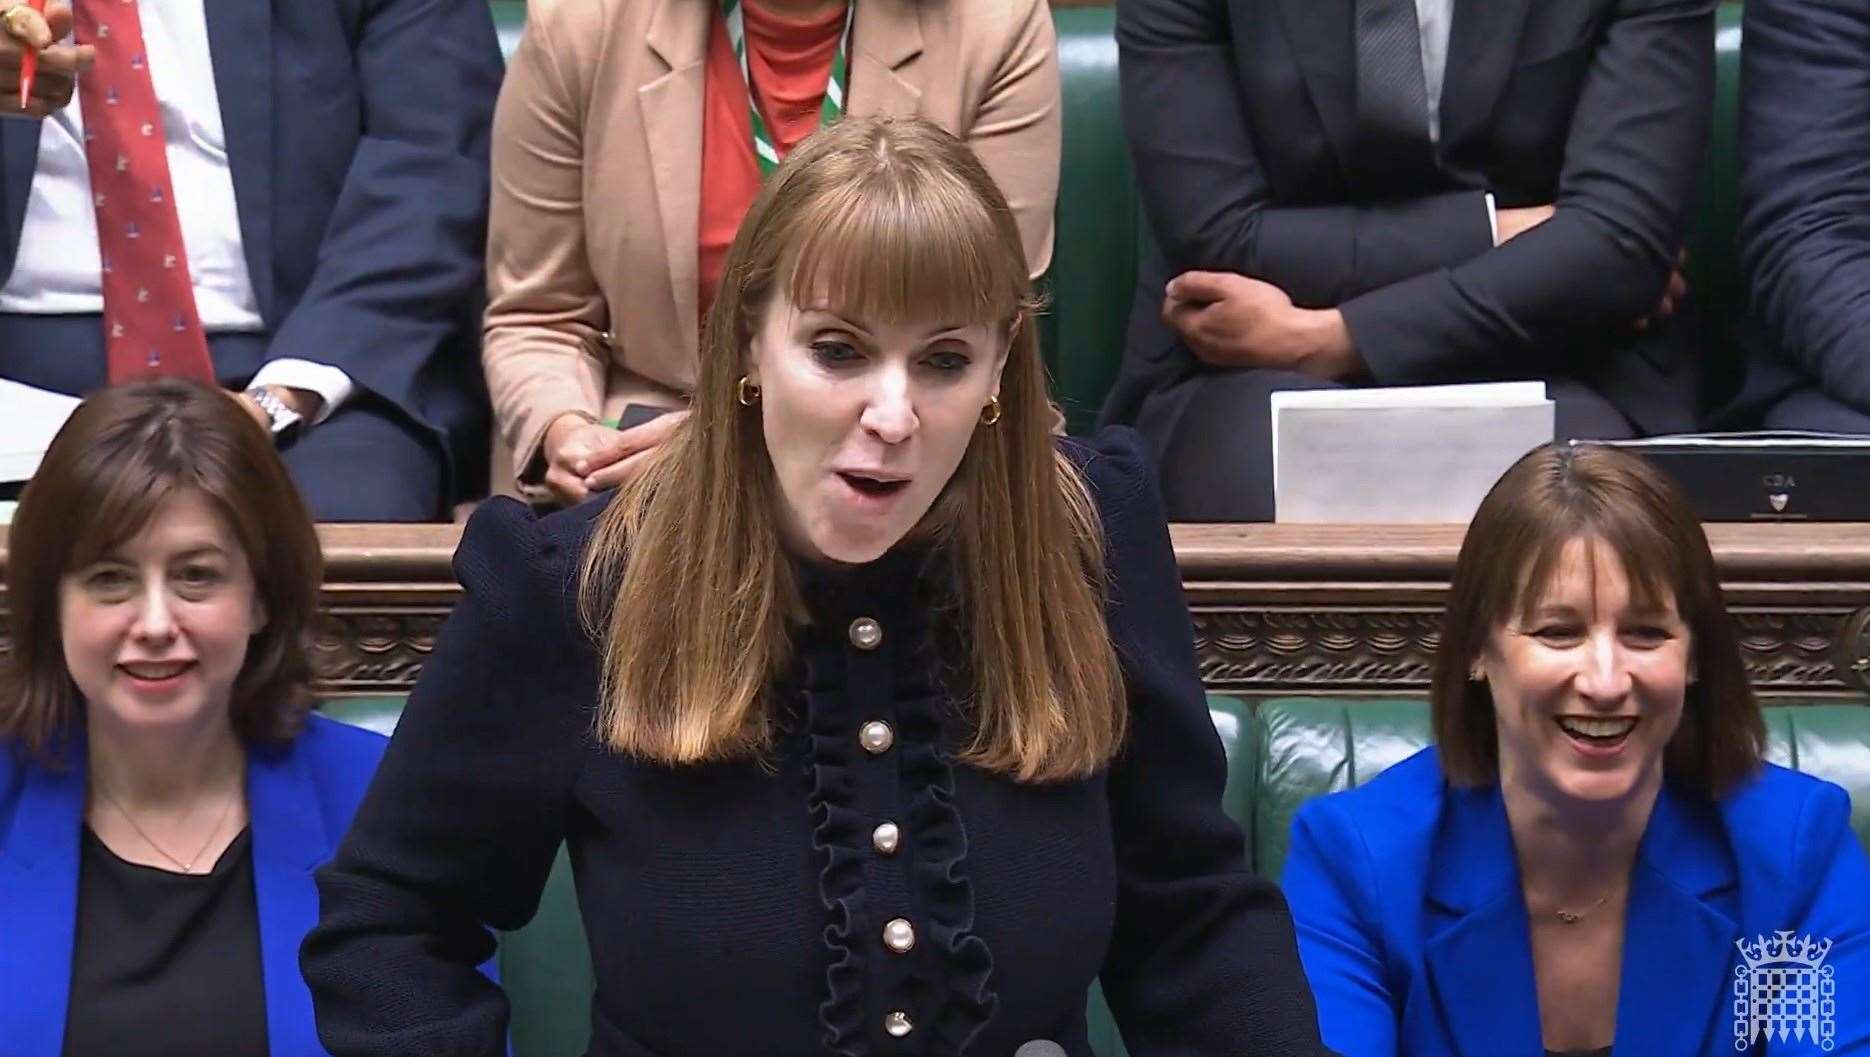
<point>856,893</point>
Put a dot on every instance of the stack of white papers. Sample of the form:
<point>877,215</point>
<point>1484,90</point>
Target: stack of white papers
<point>1415,454</point>
<point>29,419</point>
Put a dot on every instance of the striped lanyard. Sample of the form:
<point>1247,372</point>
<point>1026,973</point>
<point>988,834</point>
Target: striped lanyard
<point>834,88</point>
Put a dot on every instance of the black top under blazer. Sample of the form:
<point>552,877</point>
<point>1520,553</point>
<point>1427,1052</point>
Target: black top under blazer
<point>740,908</point>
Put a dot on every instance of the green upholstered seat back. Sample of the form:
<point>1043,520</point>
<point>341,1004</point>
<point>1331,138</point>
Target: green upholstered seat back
<point>509,17</point>
<point>1716,287</point>
<point>371,713</point>
<point>1309,746</point>
<point>546,970</point>
<point>1093,273</point>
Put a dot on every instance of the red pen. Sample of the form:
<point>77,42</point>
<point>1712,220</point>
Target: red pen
<point>28,62</point>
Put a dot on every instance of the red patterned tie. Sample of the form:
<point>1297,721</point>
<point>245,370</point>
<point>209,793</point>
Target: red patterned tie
<point>150,323</point>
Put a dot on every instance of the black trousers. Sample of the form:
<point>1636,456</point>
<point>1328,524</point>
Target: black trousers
<point>367,462</point>
<point>1212,436</point>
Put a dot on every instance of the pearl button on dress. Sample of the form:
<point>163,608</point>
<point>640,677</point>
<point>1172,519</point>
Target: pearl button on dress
<point>866,634</point>
<point>876,737</point>
<point>899,935</point>
<point>885,838</point>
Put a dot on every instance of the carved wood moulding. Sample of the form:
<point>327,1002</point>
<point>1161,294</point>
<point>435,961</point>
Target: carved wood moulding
<point>1357,609</point>
<point>1276,608</point>
<point>1275,649</point>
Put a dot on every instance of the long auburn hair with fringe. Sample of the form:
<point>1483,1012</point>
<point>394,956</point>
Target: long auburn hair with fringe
<point>685,585</point>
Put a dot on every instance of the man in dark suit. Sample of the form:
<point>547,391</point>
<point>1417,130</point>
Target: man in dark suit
<point>1400,192</point>
<point>1805,213</point>
<point>287,197</point>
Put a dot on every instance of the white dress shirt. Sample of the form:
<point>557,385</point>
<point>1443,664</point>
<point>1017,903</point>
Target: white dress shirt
<point>58,269</point>
<point>1434,18</point>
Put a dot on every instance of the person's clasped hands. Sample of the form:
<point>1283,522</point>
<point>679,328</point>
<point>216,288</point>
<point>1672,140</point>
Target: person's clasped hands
<point>1231,320</point>
<point>23,29</point>
<point>583,456</point>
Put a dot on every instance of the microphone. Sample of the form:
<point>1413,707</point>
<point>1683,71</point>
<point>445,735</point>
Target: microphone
<point>1040,1048</point>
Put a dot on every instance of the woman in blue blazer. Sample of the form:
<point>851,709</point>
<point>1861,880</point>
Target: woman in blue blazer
<point>164,795</point>
<point>1594,859</point>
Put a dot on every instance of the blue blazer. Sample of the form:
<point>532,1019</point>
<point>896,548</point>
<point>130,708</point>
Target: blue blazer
<point>300,800</point>
<point>1413,928</point>
<point>357,137</point>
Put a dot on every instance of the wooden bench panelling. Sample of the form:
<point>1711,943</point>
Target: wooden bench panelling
<point>1277,608</point>
<point>1356,609</point>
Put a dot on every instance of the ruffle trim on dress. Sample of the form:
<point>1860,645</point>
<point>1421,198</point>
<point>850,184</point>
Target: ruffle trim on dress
<point>836,834</point>
<point>955,978</point>
<point>940,877</point>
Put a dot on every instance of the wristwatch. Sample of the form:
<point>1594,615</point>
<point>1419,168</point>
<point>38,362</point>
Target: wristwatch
<point>284,423</point>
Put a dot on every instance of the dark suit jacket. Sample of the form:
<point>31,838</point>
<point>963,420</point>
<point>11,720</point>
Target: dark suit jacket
<point>357,134</point>
<point>299,801</point>
<point>1805,195</point>
<point>1241,120</point>
<point>1414,931</point>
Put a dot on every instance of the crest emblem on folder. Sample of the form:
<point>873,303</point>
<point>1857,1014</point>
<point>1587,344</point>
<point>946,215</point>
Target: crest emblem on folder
<point>1779,501</point>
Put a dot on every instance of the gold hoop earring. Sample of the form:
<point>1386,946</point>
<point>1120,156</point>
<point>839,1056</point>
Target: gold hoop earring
<point>991,413</point>
<point>746,392</point>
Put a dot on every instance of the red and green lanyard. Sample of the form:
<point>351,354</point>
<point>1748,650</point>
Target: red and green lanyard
<point>828,114</point>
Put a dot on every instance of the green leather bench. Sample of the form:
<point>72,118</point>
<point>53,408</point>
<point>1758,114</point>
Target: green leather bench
<point>1280,754</point>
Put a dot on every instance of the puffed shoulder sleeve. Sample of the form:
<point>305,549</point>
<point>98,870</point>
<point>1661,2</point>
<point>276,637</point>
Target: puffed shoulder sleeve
<point>1202,960</point>
<point>465,814</point>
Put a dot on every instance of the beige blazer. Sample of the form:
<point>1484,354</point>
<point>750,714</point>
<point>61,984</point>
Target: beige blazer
<point>593,239</point>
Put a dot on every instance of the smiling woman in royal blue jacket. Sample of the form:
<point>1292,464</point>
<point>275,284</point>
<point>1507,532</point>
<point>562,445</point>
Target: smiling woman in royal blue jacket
<point>163,793</point>
<point>1572,868</point>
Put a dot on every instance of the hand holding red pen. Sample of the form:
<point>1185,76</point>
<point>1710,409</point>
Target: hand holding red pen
<point>29,62</point>
<point>38,75</point>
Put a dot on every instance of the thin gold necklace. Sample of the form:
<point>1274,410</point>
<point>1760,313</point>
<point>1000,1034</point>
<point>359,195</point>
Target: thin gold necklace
<point>1572,917</point>
<point>187,867</point>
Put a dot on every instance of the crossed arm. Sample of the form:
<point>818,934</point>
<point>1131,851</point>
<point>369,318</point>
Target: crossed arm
<point>1419,289</point>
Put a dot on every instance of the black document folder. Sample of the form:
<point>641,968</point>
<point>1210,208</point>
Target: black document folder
<point>1766,476</point>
